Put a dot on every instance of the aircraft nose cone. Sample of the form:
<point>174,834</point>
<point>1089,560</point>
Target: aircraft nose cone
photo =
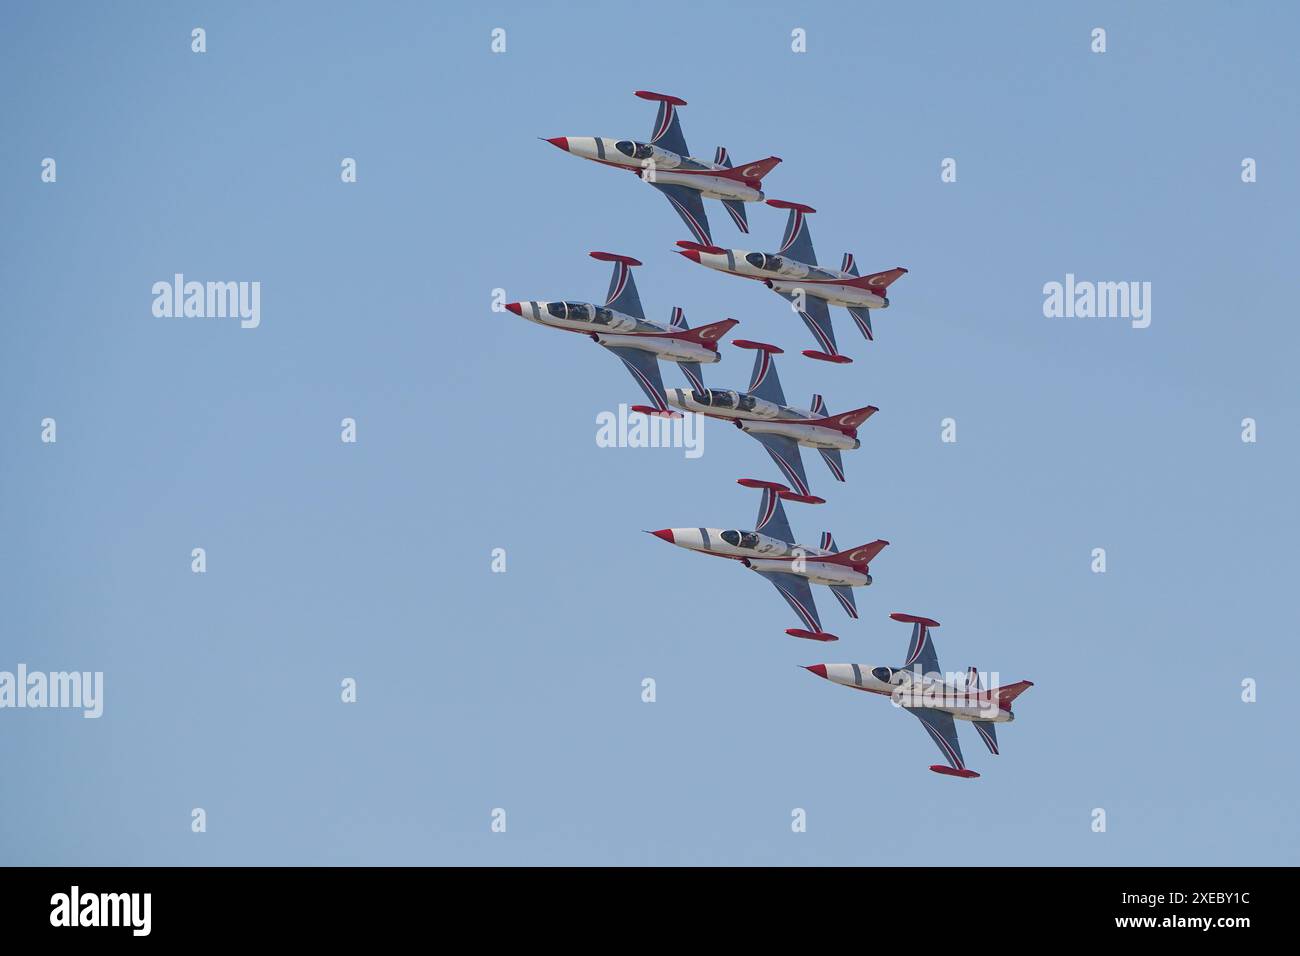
<point>818,669</point>
<point>689,254</point>
<point>514,307</point>
<point>664,534</point>
<point>560,141</point>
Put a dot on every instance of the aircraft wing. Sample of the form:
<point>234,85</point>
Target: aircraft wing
<point>622,295</point>
<point>667,131</point>
<point>797,243</point>
<point>920,652</point>
<point>771,518</point>
<point>764,382</point>
<point>645,369</point>
<point>816,314</point>
<point>798,594</point>
<point>785,452</point>
<point>690,206</point>
<point>943,731</point>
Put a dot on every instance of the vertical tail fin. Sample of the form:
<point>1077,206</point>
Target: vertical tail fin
<point>1005,695</point>
<point>691,370</point>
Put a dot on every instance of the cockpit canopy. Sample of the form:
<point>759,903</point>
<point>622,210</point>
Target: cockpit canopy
<point>741,539</point>
<point>580,312</point>
<point>717,398</point>
<point>634,150</point>
<point>768,263</point>
<point>883,674</point>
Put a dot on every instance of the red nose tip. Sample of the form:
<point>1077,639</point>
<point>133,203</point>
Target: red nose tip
<point>818,669</point>
<point>665,534</point>
<point>560,141</point>
<point>689,254</point>
<point>515,308</point>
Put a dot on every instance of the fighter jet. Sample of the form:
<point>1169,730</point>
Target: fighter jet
<point>666,164</point>
<point>920,688</point>
<point>780,428</point>
<point>793,273</point>
<point>621,326</point>
<point>792,568</point>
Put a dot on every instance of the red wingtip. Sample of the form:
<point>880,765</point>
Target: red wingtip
<point>912,619</point>
<point>951,772</point>
<point>615,257</point>
<point>805,499</point>
<point>822,636</point>
<point>823,357</point>
<point>659,412</point>
<point>818,669</point>
<point>782,204</point>
<point>661,97</point>
<point>514,307</point>
<point>664,534</point>
<point>561,141</point>
<point>761,346</point>
<point>700,247</point>
<point>756,483</point>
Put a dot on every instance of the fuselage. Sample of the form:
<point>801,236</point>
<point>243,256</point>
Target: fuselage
<point>757,416</point>
<point>759,552</point>
<point>616,329</point>
<point>655,164</point>
<point>789,276</point>
<point>911,690</point>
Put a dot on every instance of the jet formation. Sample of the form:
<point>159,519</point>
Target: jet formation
<point>761,410</point>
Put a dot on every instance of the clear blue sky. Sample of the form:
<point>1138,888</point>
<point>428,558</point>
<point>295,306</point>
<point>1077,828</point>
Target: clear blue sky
<point>477,430</point>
